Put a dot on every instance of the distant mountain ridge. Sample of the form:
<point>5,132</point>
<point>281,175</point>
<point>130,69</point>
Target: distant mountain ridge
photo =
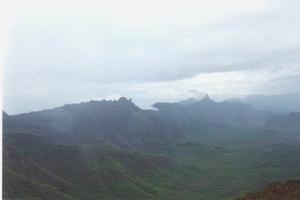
<point>188,101</point>
<point>275,103</point>
<point>233,114</point>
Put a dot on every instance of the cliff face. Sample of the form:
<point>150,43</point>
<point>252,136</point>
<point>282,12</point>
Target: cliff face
<point>277,191</point>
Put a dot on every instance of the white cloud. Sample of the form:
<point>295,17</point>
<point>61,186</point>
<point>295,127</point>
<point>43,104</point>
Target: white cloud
<point>40,94</point>
<point>59,52</point>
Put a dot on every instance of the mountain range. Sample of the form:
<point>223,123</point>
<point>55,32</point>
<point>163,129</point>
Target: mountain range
<point>193,149</point>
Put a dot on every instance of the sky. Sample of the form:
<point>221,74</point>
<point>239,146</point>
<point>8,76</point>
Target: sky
<point>61,51</point>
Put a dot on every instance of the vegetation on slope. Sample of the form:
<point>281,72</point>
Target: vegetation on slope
<point>115,150</point>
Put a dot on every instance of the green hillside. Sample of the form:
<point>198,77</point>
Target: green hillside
<point>115,150</point>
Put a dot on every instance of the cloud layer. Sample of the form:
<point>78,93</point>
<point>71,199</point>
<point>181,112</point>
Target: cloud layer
<point>164,50</point>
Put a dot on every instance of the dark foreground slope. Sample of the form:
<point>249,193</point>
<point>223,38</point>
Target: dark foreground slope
<point>277,191</point>
<point>115,150</point>
<point>37,169</point>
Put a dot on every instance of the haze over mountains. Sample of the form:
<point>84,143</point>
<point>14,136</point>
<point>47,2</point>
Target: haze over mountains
<point>193,149</point>
<point>276,103</point>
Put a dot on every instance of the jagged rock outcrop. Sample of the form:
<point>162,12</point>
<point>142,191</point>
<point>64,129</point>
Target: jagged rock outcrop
<point>277,191</point>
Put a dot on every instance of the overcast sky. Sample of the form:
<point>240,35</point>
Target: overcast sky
<point>63,51</point>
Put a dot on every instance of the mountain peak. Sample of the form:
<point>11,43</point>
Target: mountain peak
<point>93,106</point>
<point>207,99</point>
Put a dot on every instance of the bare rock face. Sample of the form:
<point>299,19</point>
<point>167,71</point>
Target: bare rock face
<point>277,191</point>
